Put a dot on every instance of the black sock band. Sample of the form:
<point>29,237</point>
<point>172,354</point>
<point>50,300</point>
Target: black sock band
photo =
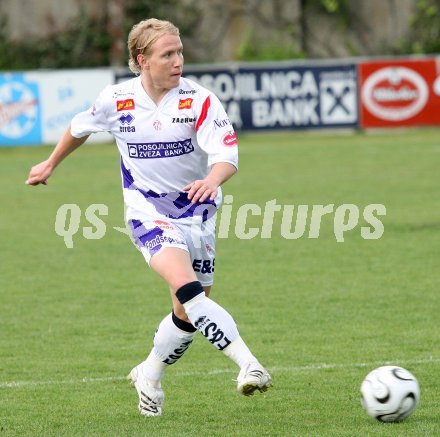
<point>188,291</point>
<point>181,324</point>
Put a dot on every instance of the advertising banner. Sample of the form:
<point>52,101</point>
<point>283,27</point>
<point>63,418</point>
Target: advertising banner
<point>20,110</point>
<point>36,107</point>
<point>285,97</point>
<point>400,93</point>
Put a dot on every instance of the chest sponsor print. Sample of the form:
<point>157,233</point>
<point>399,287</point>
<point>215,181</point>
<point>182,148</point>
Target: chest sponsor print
<point>126,119</point>
<point>184,120</point>
<point>160,149</point>
<point>125,105</point>
<point>185,103</point>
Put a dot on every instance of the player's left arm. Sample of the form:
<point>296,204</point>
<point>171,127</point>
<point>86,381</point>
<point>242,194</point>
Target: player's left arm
<point>200,190</point>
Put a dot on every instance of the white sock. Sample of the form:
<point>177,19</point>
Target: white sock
<point>153,368</point>
<point>213,321</point>
<point>170,343</point>
<point>238,352</point>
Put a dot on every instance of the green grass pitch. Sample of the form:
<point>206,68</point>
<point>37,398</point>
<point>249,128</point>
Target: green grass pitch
<point>320,314</point>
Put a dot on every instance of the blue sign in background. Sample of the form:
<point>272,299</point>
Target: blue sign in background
<point>285,97</point>
<point>20,110</point>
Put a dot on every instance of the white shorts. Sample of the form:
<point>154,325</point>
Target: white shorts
<point>155,232</point>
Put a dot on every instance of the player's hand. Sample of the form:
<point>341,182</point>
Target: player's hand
<point>200,190</point>
<point>39,173</point>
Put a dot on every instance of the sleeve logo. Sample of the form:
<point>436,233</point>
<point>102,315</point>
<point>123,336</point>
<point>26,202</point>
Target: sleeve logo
<point>230,139</point>
<point>185,103</point>
<point>125,105</point>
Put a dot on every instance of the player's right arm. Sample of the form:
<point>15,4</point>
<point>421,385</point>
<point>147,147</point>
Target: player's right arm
<point>42,171</point>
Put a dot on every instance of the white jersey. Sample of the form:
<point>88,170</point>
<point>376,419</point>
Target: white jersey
<point>163,147</point>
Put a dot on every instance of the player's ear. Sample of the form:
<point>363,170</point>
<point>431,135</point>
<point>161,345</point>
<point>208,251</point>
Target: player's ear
<point>142,61</point>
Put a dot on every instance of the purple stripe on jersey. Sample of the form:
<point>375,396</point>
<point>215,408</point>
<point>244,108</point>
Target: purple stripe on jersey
<point>127,178</point>
<point>174,205</point>
<point>205,209</point>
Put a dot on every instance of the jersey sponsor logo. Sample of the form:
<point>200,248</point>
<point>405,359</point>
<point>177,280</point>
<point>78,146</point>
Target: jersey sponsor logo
<point>184,119</point>
<point>185,103</point>
<point>157,125</point>
<point>222,123</point>
<point>204,265</point>
<point>126,119</point>
<point>158,240</point>
<point>125,105</point>
<point>127,129</point>
<point>160,150</point>
<point>162,224</point>
<point>230,139</point>
<point>192,92</point>
<point>117,94</point>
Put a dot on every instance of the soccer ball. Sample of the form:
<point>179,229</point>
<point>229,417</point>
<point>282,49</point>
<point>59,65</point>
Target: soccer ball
<point>390,393</point>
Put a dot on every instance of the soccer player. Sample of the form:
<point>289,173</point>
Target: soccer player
<point>177,147</point>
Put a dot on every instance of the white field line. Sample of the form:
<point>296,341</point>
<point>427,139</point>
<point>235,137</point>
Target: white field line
<point>287,369</point>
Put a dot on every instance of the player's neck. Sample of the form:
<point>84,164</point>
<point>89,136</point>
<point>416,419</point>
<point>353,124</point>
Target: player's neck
<point>156,94</point>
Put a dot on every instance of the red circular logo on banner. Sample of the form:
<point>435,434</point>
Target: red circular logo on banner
<point>395,93</point>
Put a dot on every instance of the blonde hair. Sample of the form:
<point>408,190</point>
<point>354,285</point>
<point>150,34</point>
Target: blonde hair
<point>143,35</point>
